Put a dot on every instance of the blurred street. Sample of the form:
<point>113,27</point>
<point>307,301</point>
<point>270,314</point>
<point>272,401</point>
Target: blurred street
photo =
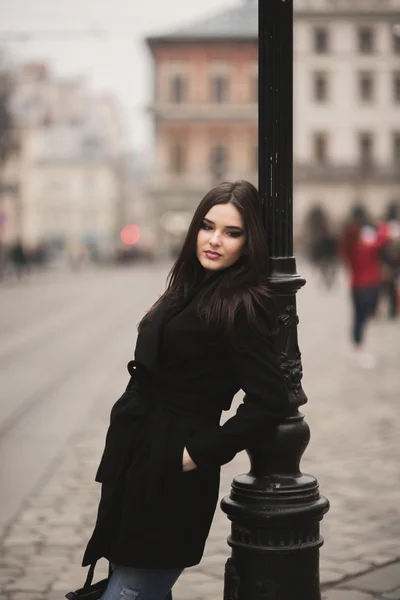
<point>65,340</point>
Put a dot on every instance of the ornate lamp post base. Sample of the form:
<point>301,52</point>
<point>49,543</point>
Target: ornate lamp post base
<point>275,509</point>
<point>275,535</point>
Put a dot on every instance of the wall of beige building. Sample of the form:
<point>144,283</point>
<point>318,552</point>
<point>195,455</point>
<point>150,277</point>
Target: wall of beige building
<point>61,194</point>
<point>344,115</point>
<point>72,203</point>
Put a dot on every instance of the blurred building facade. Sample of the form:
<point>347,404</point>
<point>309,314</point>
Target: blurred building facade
<point>66,179</point>
<point>346,105</point>
<point>205,114</point>
<point>346,108</point>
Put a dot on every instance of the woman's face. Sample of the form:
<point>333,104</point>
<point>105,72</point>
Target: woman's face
<point>221,238</point>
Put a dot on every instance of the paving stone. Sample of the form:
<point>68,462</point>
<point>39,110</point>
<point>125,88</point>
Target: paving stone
<point>331,576</point>
<point>393,595</point>
<point>194,578</point>
<point>378,561</point>
<point>379,580</point>
<point>345,595</point>
<point>25,596</point>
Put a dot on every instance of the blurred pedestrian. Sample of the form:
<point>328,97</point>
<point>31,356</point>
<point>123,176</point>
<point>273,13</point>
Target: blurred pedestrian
<point>322,244</point>
<point>361,247</point>
<point>210,334</point>
<point>75,254</point>
<point>390,257</point>
<point>19,259</point>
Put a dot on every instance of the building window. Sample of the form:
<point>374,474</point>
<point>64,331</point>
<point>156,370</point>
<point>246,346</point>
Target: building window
<point>320,87</point>
<point>219,89</point>
<point>396,42</point>
<point>366,87</point>
<point>178,89</point>
<point>321,40</point>
<point>365,40</point>
<point>366,149</point>
<point>396,87</point>
<point>321,148</point>
<point>396,148</point>
<point>177,157</point>
<point>218,160</point>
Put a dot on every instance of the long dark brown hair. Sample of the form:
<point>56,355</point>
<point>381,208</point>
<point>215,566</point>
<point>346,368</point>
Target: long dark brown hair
<point>225,292</point>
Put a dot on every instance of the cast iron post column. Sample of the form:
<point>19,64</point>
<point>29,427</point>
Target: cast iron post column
<point>275,509</point>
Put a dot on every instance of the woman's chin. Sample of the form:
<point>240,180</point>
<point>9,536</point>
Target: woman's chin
<point>211,265</point>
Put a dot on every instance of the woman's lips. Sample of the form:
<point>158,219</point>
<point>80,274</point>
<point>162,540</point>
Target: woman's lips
<point>212,255</point>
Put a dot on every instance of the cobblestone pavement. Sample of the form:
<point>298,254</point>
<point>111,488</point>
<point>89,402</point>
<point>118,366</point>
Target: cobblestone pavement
<point>354,453</point>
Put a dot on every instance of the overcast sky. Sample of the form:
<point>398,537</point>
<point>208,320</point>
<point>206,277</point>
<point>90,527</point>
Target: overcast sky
<point>118,62</point>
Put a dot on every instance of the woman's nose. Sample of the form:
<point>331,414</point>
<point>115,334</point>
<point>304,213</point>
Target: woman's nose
<point>215,240</point>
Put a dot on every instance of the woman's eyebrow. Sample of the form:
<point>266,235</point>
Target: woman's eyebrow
<point>226,227</point>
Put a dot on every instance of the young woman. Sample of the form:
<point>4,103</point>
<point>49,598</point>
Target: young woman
<point>361,247</point>
<point>209,335</point>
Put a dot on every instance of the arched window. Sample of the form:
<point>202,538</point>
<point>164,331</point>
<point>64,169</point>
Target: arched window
<point>219,89</point>
<point>218,160</point>
<point>177,157</point>
<point>366,149</point>
<point>178,89</point>
<point>320,147</point>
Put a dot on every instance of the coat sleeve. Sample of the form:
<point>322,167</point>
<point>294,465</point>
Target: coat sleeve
<point>255,365</point>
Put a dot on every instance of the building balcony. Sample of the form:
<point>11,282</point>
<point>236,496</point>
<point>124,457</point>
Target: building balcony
<point>204,112</point>
<point>329,173</point>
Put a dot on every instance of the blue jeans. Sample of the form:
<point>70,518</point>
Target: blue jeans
<point>364,303</point>
<point>127,583</point>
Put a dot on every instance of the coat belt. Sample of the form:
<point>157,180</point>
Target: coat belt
<point>138,403</point>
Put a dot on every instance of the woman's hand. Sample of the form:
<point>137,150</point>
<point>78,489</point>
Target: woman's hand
<point>187,463</point>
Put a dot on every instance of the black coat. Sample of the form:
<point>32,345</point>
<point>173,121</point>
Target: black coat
<point>152,514</point>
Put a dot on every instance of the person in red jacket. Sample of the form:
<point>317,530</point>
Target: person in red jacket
<point>361,247</point>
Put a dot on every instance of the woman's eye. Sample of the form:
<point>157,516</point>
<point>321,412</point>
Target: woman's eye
<point>205,226</point>
<point>234,234</point>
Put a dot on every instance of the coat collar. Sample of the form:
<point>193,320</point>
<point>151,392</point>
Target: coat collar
<point>149,340</point>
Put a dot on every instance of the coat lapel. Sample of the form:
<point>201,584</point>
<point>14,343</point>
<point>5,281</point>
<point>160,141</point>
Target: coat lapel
<point>148,345</point>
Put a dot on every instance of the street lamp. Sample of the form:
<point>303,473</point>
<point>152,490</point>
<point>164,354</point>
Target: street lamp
<point>275,509</point>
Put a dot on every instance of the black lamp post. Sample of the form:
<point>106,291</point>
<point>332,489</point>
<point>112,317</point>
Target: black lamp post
<point>275,509</point>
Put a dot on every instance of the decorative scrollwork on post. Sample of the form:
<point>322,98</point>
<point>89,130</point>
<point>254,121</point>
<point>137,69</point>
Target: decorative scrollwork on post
<point>232,581</point>
<point>290,356</point>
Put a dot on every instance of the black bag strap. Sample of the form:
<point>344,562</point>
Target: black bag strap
<point>90,574</point>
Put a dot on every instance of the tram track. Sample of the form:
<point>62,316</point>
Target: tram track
<point>90,334</point>
<point>44,330</point>
<point>49,390</point>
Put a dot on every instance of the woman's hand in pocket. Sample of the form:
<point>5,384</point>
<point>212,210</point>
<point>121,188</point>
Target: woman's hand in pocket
<point>187,462</point>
